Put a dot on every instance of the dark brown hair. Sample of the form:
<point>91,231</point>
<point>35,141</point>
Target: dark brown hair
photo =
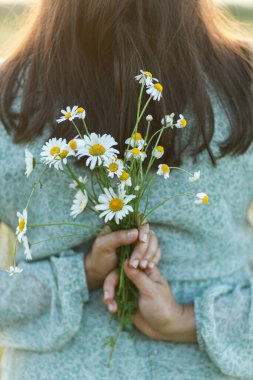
<point>87,52</point>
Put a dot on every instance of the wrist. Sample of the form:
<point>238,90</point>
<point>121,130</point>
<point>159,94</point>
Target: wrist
<point>182,326</point>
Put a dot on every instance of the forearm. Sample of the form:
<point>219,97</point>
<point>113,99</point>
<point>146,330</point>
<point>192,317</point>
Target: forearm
<point>183,329</point>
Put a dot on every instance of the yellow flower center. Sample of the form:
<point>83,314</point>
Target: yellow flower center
<point>158,87</point>
<point>124,176</point>
<point>205,200</point>
<point>116,204</point>
<point>160,149</point>
<point>136,151</point>
<point>80,110</point>
<point>184,122</point>
<point>148,74</point>
<point>55,150</point>
<point>113,167</point>
<point>137,136</point>
<point>165,168</point>
<point>97,150</point>
<point>63,154</point>
<point>21,225</point>
<point>73,144</point>
<point>68,115</point>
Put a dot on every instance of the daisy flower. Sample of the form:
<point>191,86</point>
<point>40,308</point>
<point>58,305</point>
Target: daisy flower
<point>137,188</point>
<point>136,141</point>
<point>55,152</point>
<point>136,153</point>
<point>14,270</point>
<point>22,225</point>
<point>68,114</point>
<point>149,118</point>
<point>145,77</point>
<point>201,198</point>
<point>195,177</point>
<point>114,167</point>
<point>74,184</point>
<point>75,144</point>
<point>27,246</point>
<point>30,162</point>
<point>164,170</point>
<point>114,206</point>
<point>155,90</point>
<point>81,113</point>
<point>98,149</point>
<point>125,179</point>
<point>168,120</point>
<point>79,203</point>
<point>181,122</point>
<point>158,152</point>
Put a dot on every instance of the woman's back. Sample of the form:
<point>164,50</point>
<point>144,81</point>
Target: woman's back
<point>56,327</point>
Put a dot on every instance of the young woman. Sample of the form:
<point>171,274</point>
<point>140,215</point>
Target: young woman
<point>194,318</point>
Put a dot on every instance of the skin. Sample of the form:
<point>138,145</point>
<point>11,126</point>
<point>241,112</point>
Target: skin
<point>159,315</point>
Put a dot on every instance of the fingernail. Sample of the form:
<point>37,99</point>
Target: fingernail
<point>111,307</point>
<point>106,295</point>
<point>143,263</point>
<point>134,263</point>
<point>131,234</point>
<point>151,265</point>
<point>143,237</point>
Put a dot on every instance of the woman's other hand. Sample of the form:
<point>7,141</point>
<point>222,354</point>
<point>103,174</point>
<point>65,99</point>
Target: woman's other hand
<point>159,315</point>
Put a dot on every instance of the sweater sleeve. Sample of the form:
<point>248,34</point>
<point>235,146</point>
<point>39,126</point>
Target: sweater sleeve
<point>42,308</point>
<point>224,324</point>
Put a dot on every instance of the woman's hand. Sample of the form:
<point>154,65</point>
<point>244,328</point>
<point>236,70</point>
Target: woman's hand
<point>103,257</point>
<point>158,316</point>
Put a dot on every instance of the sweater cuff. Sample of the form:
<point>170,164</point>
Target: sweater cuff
<point>198,322</point>
<point>72,261</point>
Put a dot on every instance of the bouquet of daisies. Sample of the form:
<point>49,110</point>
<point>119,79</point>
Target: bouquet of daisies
<point>115,185</point>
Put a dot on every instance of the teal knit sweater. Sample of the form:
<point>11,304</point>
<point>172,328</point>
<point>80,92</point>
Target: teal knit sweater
<point>52,327</point>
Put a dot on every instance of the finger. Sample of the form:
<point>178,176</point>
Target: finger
<point>143,231</point>
<point>105,230</point>
<point>114,240</point>
<point>155,275</point>
<point>151,252</point>
<point>112,307</point>
<point>141,246</point>
<point>140,279</point>
<point>109,286</point>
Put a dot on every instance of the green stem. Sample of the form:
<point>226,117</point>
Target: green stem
<point>153,136</point>
<point>60,237</point>
<point>80,184</point>
<point>86,128</point>
<point>35,185</point>
<point>116,338</point>
<point>149,187</point>
<point>167,200</point>
<point>76,127</point>
<point>183,170</point>
<point>63,224</point>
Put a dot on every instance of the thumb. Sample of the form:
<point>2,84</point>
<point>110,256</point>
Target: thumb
<point>139,278</point>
